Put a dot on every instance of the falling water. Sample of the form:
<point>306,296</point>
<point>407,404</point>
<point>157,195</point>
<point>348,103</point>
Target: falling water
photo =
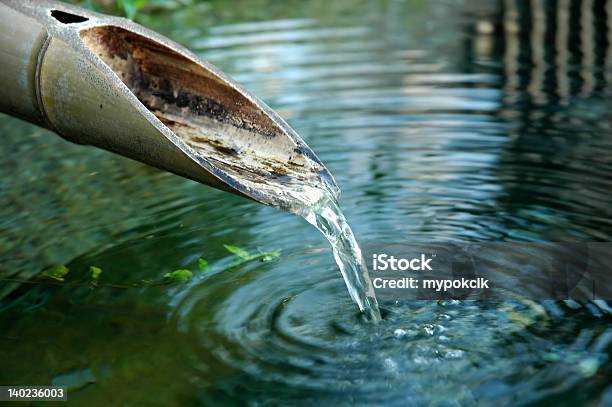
<point>272,166</point>
<point>329,219</point>
<point>305,194</point>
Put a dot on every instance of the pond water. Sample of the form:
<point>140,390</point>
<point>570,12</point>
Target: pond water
<point>441,121</point>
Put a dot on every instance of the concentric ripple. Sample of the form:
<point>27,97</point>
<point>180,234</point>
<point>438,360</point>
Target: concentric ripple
<point>303,337</point>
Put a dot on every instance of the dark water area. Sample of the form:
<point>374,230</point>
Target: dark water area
<point>447,121</point>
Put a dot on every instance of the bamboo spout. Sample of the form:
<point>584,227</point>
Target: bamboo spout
<point>108,82</point>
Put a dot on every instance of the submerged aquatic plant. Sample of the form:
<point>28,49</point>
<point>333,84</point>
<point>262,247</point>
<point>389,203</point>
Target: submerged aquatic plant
<point>202,264</point>
<point>179,276</point>
<point>57,274</point>
<point>244,256</point>
<point>95,272</point>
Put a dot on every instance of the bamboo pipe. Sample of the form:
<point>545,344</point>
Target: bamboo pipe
<point>108,82</point>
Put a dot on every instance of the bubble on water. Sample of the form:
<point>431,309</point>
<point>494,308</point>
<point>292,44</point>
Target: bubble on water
<point>420,360</point>
<point>439,329</point>
<point>391,365</point>
<point>449,303</point>
<point>431,329</point>
<point>452,353</point>
<point>399,333</point>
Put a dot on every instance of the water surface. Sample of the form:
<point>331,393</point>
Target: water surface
<point>441,121</point>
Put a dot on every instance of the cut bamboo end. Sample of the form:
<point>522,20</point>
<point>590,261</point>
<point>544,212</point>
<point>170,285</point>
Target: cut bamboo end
<point>108,82</point>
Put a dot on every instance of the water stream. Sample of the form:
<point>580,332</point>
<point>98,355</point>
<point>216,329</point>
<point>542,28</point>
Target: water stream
<point>328,218</point>
<point>302,193</point>
<point>281,172</point>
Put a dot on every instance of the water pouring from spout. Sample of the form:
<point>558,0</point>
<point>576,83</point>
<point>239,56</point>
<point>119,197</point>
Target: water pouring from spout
<point>111,83</point>
<point>329,219</point>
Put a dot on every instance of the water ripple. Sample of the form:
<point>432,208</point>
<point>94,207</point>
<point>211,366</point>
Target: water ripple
<point>440,122</point>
